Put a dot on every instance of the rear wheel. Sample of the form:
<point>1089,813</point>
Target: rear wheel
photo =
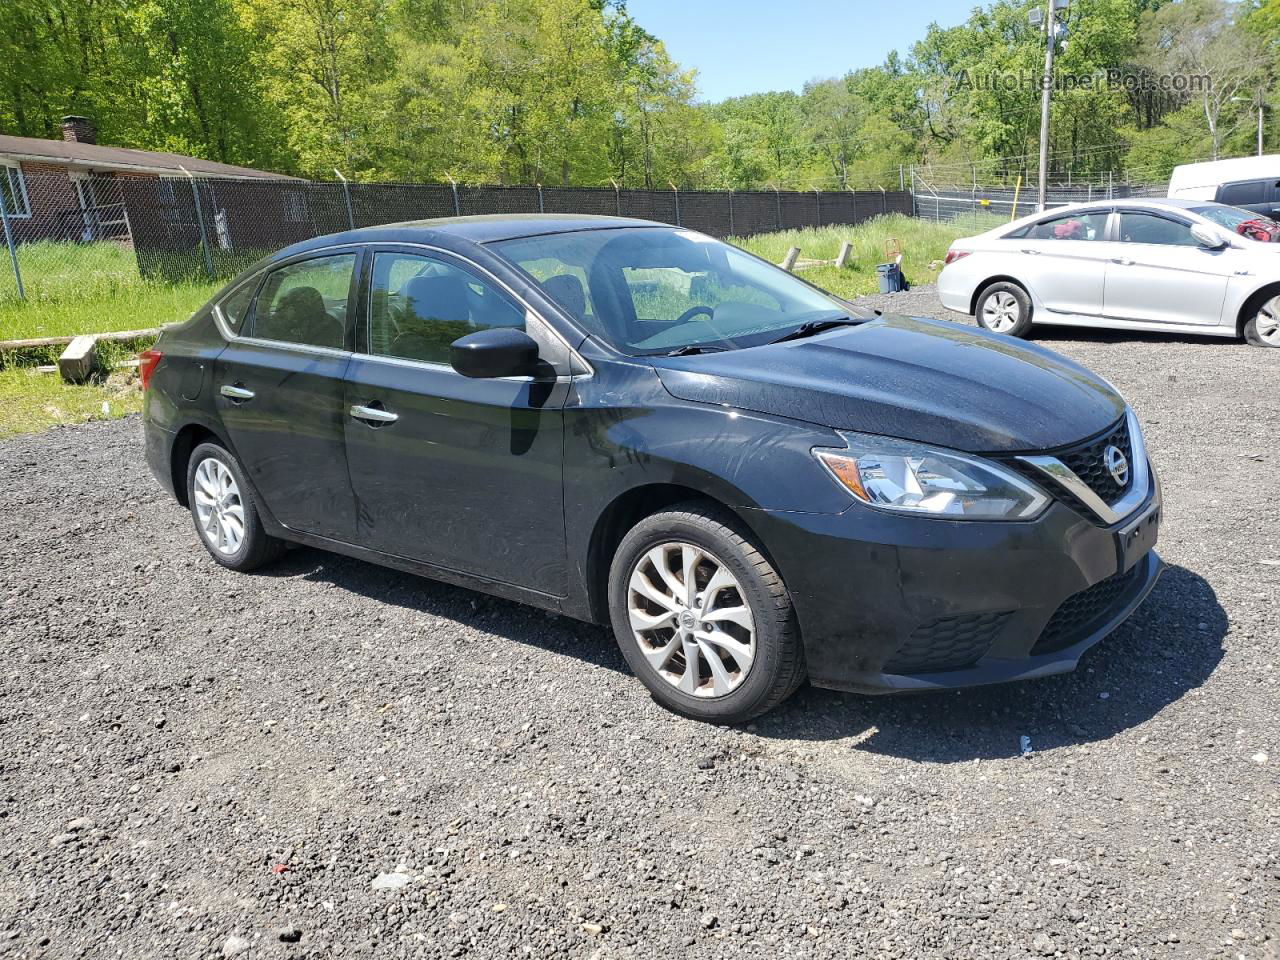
<point>1262,329</point>
<point>702,617</point>
<point>224,512</point>
<point>1005,308</point>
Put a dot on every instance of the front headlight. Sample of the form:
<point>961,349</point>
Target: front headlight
<point>910,477</point>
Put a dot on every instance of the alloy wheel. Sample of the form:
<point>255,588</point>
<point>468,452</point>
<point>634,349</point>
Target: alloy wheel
<point>690,618</point>
<point>219,508</point>
<point>1000,312</point>
<point>1267,322</point>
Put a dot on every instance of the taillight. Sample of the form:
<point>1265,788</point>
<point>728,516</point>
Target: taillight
<point>954,255</point>
<point>147,362</point>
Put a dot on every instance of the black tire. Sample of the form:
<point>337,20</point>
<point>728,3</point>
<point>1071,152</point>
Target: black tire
<point>1022,326</point>
<point>1269,299</point>
<point>256,547</point>
<point>777,668</point>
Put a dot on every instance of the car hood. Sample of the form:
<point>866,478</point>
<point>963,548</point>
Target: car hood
<point>927,380</point>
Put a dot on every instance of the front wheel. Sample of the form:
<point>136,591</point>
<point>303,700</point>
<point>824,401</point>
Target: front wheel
<point>1262,329</point>
<point>224,512</point>
<point>1005,308</point>
<point>702,617</point>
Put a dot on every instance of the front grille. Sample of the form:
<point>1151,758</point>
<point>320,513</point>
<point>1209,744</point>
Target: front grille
<point>1087,463</point>
<point>947,643</point>
<point>1082,611</point>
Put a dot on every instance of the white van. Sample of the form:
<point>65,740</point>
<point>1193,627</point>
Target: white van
<point>1249,182</point>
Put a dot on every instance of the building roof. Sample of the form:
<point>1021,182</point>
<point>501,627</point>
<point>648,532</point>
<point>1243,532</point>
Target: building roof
<point>122,158</point>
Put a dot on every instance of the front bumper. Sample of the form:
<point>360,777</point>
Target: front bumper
<point>889,603</point>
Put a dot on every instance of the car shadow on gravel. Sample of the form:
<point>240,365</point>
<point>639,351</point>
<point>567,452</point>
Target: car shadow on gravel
<point>1049,335</point>
<point>422,595</point>
<point>1168,647</point>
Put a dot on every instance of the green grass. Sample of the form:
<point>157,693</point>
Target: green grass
<point>76,288</point>
<point>63,272</point>
<point>922,242</point>
<point>137,307</point>
<point>31,402</point>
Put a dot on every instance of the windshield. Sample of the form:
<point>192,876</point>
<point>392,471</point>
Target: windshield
<point>1246,223</point>
<point>654,290</point>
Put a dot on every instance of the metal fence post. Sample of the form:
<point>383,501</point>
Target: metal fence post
<point>777,199</point>
<point>457,206</point>
<point>732,231</point>
<point>13,253</point>
<point>884,202</point>
<point>346,193</point>
<point>913,190</point>
<point>542,207</point>
<point>676,191</point>
<point>973,197</point>
<point>204,237</point>
<point>817,194</point>
<point>617,197</point>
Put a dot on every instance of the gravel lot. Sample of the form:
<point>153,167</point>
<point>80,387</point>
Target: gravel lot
<point>330,759</point>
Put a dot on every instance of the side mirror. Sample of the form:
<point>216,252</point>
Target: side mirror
<point>496,352</point>
<point>1207,238</point>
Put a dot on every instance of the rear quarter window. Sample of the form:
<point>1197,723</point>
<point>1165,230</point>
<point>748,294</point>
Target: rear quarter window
<point>1251,191</point>
<point>234,307</point>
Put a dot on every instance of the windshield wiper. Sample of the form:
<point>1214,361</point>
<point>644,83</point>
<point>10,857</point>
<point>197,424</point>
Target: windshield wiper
<point>810,327</point>
<point>689,349</point>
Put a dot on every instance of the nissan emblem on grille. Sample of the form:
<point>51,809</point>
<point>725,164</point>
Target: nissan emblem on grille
<point>1117,464</point>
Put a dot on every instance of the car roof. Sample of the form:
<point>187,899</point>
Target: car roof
<point>1102,203</point>
<point>457,231</point>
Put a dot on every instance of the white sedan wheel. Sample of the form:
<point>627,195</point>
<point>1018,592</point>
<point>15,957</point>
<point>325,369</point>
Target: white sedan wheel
<point>1267,322</point>
<point>1001,312</point>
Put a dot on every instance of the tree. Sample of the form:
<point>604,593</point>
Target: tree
<point>1201,40</point>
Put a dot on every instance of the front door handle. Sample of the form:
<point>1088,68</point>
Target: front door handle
<point>1034,253</point>
<point>373,414</point>
<point>237,393</point>
<point>1122,261</point>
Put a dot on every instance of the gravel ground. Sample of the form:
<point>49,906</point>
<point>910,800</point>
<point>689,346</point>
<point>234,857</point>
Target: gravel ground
<point>330,759</point>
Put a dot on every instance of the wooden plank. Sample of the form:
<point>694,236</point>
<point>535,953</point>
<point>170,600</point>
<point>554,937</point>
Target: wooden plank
<point>63,341</point>
<point>76,362</point>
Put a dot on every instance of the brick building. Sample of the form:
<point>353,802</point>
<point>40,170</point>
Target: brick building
<point>77,190</point>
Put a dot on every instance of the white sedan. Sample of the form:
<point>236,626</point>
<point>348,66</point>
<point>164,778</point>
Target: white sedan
<point>1159,264</point>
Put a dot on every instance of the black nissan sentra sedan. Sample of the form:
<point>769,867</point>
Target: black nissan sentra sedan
<point>629,423</point>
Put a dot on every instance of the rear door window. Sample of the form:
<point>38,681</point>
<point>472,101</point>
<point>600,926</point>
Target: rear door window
<point>306,302</point>
<point>1087,225</point>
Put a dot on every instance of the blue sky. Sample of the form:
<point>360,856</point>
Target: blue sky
<point>747,46</point>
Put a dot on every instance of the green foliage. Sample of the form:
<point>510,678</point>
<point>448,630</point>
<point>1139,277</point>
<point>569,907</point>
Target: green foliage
<point>576,92</point>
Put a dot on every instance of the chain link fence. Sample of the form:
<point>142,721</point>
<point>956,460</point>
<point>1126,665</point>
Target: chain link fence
<point>988,205</point>
<point>79,237</point>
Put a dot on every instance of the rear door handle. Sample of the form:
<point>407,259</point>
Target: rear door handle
<point>1034,253</point>
<point>237,393</point>
<point>373,414</point>
<point>1122,261</point>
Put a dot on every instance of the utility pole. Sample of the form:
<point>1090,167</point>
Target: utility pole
<point>1052,31</point>
<point>1259,104</point>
